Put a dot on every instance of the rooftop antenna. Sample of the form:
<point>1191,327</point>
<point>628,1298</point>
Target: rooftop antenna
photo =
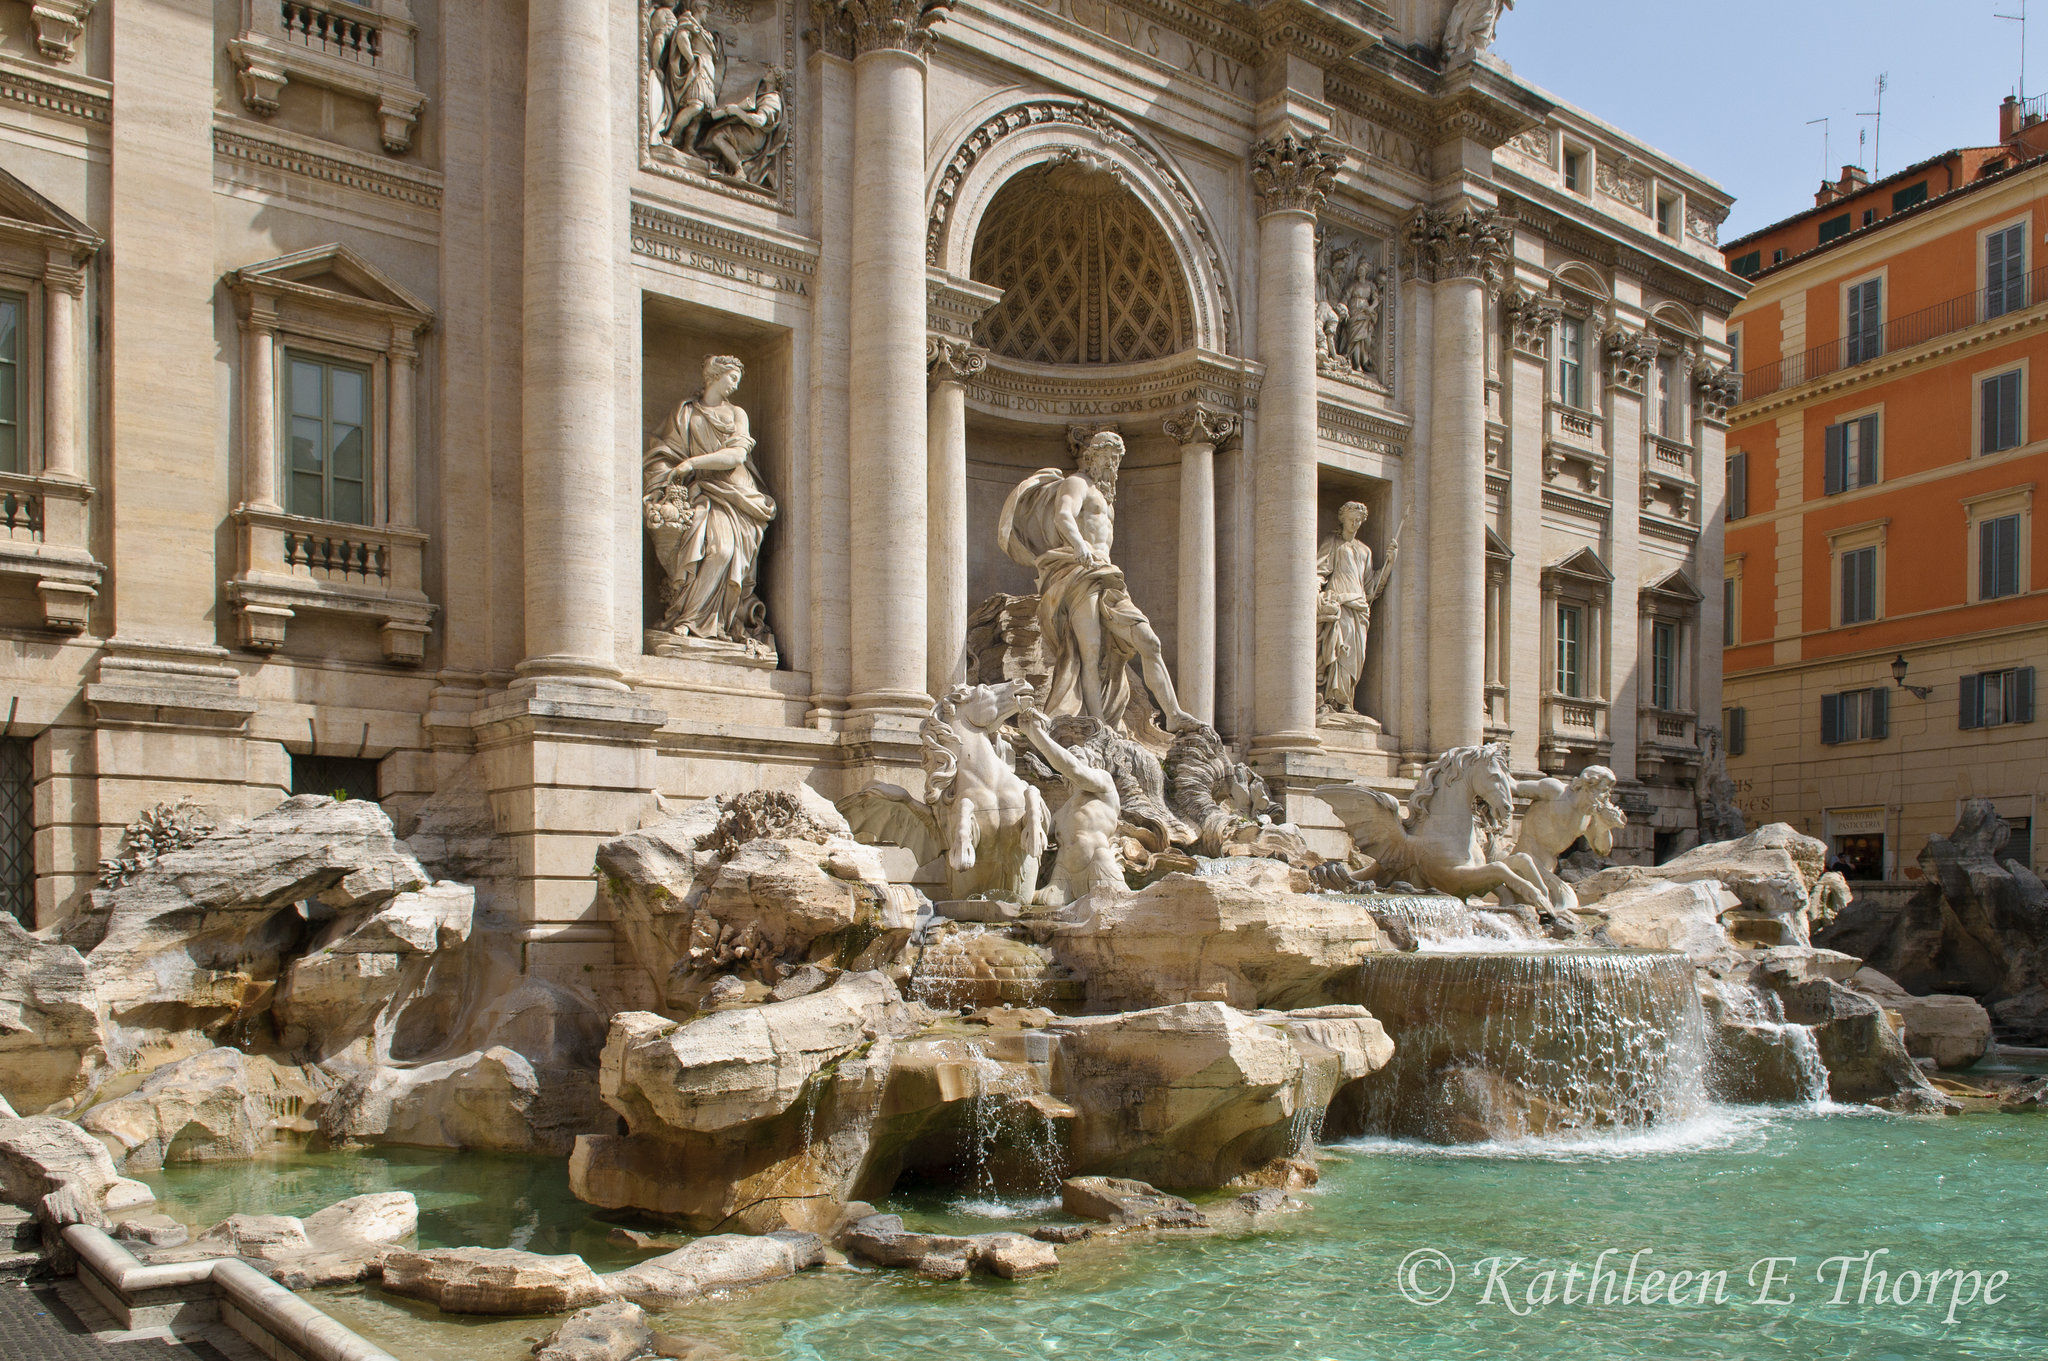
<point>1826,167</point>
<point>1884,82</point>
<point>2021,20</point>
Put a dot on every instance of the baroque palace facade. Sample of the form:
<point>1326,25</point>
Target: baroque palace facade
<point>357,439</point>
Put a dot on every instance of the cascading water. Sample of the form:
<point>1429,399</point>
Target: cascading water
<point>1440,924</point>
<point>1018,1154</point>
<point>1530,1043</point>
<point>1758,1054</point>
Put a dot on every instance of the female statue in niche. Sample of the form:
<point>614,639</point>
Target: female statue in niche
<point>1344,606</point>
<point>706,513</point>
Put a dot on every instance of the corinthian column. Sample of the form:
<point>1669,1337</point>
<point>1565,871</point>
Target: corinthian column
<point>950,364</point>
<point>1290,175</point>
<point>886,437</point>
<point>567,345</point>
<point>1198,433</point>
<point>1461,251</point>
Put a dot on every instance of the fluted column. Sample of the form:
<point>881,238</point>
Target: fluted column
<point>1291,173</point>
<point>1462,252</point>
<point>950,364</point>
<point>63,293</point>
<point>568,345</point>
<point>402,449</point>
<point>1198,433</point>
<point>886,435</point>
<point>259,403</point>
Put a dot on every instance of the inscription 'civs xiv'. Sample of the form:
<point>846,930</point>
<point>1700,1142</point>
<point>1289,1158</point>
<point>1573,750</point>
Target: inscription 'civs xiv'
<point>1126,29</point>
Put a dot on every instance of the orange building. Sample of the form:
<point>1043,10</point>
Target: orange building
<point>1886,599</point>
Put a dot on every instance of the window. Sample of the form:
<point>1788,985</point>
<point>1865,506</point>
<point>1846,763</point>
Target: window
<point>1866,321</point>
<point>1869,216</point>
<point>17,832</point>
<point>1777,257</point>
<point>2020,845</point>
<point>1992,699</point>
<point>1735,350</point>
<point>1859,585</point>
<point>2001,401</point>
<point>1571,362</point>
<point>1570,680</point>
<point>1670,399</point>
<point>1663,665</point>
<point>1998,557</point>
<point>1731,611</point>
<point>13,384</point>
<point>1910,195</point>
<point>1738,484</point>
<point>329,411</point>
<point>1855,716</point>
<point>2005,271</point>
<point>1575,170</point>
<point>1667,216</point>
<point>1834,227</point>
<point>1735,730</point>
<point>1851,454</point>
<point>1749,264</point>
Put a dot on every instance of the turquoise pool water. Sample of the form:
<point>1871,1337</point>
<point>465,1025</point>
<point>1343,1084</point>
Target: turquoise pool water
<point>1720,1195</point>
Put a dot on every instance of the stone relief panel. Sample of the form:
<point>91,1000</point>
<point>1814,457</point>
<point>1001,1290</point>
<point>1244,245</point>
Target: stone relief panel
<point>716,79</point>
<point>1352,280</point>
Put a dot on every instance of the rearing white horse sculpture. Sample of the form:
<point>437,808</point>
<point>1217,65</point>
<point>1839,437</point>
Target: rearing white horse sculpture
<point>1439,844</point>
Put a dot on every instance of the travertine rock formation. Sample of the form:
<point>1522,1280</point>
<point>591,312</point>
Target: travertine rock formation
<point>494,1281</point>
<point>51,1040</point>
<point>1951,1029</point>
<point>1773,871</point>
<point>219,1106</point>
<point>724,1261</point>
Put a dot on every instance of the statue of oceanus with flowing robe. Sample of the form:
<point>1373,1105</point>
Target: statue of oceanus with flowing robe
<point>1062,525</point>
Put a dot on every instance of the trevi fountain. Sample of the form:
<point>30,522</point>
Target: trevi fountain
<point>1064,760</point>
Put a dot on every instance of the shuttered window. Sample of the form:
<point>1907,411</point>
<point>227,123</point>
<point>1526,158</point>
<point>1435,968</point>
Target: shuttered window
<point>1851,455</point>
<point>1998,557</point>
<point>2005,272</point>
<point>1731,604</point>
<point>1735,730</point>
<point>1855,716</point>
<point>1859,585</point>
<point>1992,699</point>
<point>1866,321</point>
<point>2001,413</point>
<point>1738,485</point>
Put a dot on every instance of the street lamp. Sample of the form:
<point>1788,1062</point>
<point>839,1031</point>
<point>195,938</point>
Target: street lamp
<point>1899,679</point>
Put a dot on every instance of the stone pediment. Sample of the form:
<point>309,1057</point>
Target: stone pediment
<point>1677,588</point>
<point>333,274</point>
<point>1584,564</point>
<point>24,212</point>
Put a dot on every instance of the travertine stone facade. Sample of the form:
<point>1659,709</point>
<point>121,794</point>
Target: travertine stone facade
<point>345,337</point>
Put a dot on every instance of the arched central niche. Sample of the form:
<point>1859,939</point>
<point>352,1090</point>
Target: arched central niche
<point>1087,274</point>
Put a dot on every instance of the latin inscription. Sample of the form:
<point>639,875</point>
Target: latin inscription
<point>1126,29</point>
<point>1378,143</point>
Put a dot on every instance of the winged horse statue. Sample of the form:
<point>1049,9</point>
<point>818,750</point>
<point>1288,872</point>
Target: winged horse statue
<point>990,826</point>
<point>1440,842</point>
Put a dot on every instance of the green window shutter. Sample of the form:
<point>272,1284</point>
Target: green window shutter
<point>1971,703</point>
<point>1880,713</point>
<point>1830,720</point>
<point>1866,452</point>
<point>1836,459</point>
<point>2023,695</point>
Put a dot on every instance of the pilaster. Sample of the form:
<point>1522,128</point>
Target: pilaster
<point>951,364</point>
<point>1198,432</point>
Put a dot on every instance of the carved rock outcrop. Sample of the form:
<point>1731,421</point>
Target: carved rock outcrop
<point>1773,872</point>
<point>219,1106</point>
<point>1251,941</point>
<point>725,1261</point>
<point>50,1036</point>
<point>41,1155</point>
<point>1951,1029</point>
<point>494,1281</point>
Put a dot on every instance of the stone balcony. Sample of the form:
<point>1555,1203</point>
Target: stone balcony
<point>367,51</point>
<point>43,539</point>
<point>1670,737</point>
<point>370,572</point>
<point>1573,727</point>
<point>1574,450</point>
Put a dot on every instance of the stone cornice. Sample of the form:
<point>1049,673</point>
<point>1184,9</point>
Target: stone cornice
<point>1324,31</point>
<point>1108,391</point>
<point>277,150</point>
<point>750,257</point>
<point>1292,172</point>
<point>1695,283</point>
<point>53,93</point>
<point>1346,426</point>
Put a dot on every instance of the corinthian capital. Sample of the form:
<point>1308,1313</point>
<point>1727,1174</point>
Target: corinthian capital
<point>947,360</point>
<point>1459,243</point>
<point>893,25</point>
<point>1291,173</point>
<point>1201,425</point>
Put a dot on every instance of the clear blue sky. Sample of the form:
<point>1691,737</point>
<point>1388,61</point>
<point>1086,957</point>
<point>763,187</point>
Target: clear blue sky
<point>1727,87</point>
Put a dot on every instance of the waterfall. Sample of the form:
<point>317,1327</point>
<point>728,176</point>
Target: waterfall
<point>1014,1143</point>
<point>1442,924</point>
<point>1758,1054</point>
<point>1531,1043</point>
<point>944,976</point>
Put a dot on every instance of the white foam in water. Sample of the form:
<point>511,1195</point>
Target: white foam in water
<point>1715,1127</point>
<point>1025,1207</point>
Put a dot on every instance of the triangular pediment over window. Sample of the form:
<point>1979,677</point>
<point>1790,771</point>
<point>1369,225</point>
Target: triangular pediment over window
<point>1585,565</point>
<point>1496,547</point>
<point>24,212</point>
<point>1677,588</point>
<point>335,271</point>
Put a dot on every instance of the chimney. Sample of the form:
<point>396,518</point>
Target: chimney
<point>2009,118</point>
<point>1853,181</point>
